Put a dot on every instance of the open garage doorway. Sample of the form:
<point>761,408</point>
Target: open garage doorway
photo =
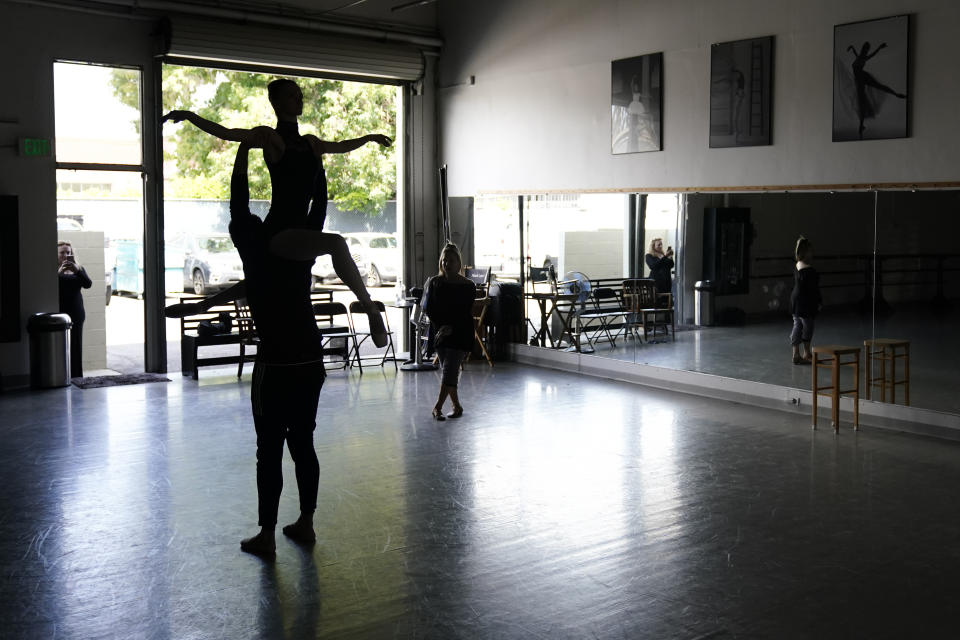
<point>362,184</point>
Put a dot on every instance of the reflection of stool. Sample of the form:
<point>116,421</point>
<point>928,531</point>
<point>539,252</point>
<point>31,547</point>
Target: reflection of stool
<point>884,350</point>
<point>837,356</point>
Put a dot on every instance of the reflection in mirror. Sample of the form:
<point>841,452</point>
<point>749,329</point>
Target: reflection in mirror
<point>887,264</point>
<point>577,253</point>
<point>915,313</point>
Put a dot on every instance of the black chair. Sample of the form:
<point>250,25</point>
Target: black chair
<point>356,308</point>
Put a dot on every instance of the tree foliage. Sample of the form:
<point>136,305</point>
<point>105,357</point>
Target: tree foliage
<point>198,165</point>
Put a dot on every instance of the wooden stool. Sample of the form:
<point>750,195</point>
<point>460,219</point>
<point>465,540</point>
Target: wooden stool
<point>886,350</point>
<point>837,356</point>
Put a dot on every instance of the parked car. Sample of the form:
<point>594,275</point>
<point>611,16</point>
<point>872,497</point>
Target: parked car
<point>210,262</point>
<point>322,270</point>
<point>379,251</point>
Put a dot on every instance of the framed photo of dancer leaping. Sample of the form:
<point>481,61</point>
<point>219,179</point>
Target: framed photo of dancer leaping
<point>871,98</point>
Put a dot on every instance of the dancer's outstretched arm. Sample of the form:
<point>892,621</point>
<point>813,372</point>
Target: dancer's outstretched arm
<point>346,146</point>
<point>183,309</point>
<point>257,137</point>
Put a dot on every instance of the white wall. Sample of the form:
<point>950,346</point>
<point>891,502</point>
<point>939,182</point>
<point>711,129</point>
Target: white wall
<point>538,115</point>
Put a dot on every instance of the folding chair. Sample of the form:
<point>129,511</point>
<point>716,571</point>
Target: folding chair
<point>479,328</point>
<point>337,338</point>
<point>356,308</point>
<point>606,307</point>
<point>247,331</point>
<point>480,277</point>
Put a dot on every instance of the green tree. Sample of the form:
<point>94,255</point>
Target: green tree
<point>362,180</point>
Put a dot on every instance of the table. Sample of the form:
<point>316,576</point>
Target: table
<point>564,305</point>
<point>415,363</point>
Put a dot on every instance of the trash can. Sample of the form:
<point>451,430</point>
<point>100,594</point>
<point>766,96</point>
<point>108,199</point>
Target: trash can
<point>703,303</point>
<point>49,350</point>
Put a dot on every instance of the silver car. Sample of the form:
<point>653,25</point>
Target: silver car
<point>322,270</point>
<point>380,253</point>
<point>210,262</point>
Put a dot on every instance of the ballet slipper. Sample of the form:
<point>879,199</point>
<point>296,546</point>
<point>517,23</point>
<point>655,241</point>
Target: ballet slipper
<point>378,331</point>
<point>301,532</point>
<point>261,545</point>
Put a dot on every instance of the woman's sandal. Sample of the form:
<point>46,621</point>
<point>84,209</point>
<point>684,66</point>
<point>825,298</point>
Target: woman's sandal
<point>456,413</point>
<point>438,415</point>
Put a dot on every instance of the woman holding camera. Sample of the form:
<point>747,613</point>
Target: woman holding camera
<point>660,265</point>
<point>72,277</point>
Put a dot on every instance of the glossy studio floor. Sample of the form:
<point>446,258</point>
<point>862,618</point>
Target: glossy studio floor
<point>558,506</point>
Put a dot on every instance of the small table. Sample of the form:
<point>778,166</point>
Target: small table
<point>406,303</point>
<point>564,305</point>
<point>415,363</point>
<point>837,356</point>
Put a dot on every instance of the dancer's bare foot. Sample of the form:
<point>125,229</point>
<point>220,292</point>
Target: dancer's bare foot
<point>378,332</point>
<point>301,531</point>
<point>263,544</point>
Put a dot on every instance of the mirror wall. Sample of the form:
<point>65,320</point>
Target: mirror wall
<point>888,263</point>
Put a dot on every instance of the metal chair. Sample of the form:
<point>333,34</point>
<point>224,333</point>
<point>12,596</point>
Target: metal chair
<point>356,308</point>
<point>337,338</point>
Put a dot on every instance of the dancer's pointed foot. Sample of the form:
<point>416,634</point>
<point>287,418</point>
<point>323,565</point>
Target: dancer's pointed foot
<point>301,531</point>
<point>456,413</point>
<point>378,332</point>
<point>263,544</point>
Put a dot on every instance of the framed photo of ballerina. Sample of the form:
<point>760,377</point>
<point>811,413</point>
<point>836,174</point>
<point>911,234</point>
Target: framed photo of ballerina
<point>741,93</point>
<point>636,104</point>
<point>870,79</point>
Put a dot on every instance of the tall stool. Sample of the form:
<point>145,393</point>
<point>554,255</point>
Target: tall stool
<point>836,356</point>
<point>885,350</point>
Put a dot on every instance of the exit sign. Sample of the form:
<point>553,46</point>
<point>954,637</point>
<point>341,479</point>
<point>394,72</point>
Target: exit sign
<point>34,147</point>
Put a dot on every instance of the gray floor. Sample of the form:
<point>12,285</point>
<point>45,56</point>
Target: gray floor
<point>559,506</point>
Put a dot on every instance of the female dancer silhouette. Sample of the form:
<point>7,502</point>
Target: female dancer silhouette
<point>863,79</point>
<point>295,164</point>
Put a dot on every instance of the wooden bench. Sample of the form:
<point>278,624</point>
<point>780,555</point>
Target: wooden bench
<point>191,341</point>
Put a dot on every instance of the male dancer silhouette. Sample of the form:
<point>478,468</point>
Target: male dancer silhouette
<point>288,373</point>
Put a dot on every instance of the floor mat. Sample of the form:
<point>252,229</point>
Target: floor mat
<point>113,381</point>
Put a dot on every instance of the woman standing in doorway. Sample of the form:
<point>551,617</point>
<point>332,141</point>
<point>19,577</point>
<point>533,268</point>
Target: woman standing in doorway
<point>71,279</point>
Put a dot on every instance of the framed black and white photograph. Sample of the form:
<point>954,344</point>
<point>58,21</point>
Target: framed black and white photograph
<point>636,104</point>
<point>870,79</point>
<point>741,93</point>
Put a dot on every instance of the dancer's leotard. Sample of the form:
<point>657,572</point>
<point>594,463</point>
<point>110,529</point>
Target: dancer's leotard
<point>297,177</point>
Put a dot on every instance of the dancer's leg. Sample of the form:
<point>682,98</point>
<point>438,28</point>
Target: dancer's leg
<point>305,244</point>
<point>305,382</point>
<point>876,84</point>
<point>270,437</point>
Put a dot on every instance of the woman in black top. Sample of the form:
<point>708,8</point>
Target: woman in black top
<point>660,265</point>
<point>72,277</point>
<point>805,302</point>
<point>448,302</point>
